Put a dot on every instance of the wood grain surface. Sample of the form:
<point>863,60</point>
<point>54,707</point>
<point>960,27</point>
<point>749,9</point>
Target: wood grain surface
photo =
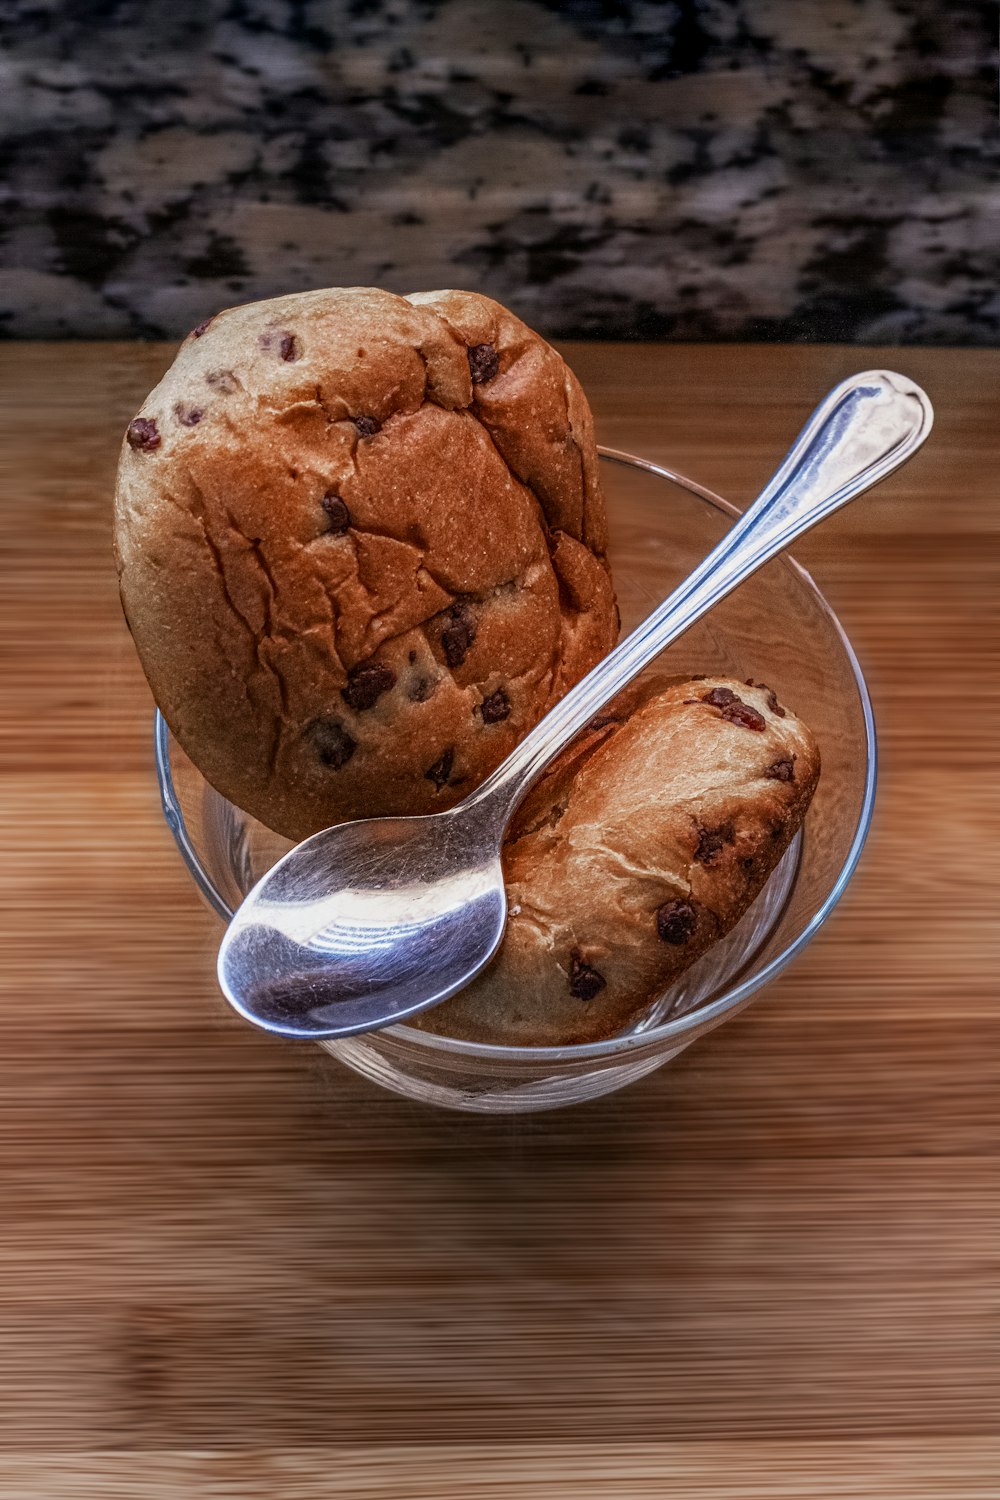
<point>772,1268</point>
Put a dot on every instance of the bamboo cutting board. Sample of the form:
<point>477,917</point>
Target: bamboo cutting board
<point>771,1268</point>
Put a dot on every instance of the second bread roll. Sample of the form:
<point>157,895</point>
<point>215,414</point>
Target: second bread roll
<point>642,846</point>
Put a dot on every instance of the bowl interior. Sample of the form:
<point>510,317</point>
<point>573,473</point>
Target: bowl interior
<point>776,628</point>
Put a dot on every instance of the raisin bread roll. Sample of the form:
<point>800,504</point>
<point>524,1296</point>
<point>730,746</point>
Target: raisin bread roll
<point>642,846</point>
<point>361,543</point>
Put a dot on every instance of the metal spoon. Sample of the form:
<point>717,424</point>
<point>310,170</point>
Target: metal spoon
<point>367,923</point>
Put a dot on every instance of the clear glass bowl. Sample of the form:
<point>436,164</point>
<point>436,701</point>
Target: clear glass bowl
<point>776,627</point>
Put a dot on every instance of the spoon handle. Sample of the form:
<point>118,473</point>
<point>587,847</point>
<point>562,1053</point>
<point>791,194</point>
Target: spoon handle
<point>864,429</point>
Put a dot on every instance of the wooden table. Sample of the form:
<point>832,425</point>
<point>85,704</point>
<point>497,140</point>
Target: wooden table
<point>772,1268</point>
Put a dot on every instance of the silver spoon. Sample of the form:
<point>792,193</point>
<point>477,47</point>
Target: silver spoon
<point>367,923</point>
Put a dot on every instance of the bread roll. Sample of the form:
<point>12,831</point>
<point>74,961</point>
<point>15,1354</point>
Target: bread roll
<point>361,543</point>
<point>642,846</point>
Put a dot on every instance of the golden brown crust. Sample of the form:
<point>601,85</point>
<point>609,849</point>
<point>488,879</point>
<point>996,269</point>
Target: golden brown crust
<point>641,847</point>
<point>355,575</point>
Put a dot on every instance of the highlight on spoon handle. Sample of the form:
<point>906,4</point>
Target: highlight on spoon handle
<point>864,429</point>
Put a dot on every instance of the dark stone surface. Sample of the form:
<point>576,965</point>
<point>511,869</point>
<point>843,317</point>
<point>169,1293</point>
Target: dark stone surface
<point>764,169</point>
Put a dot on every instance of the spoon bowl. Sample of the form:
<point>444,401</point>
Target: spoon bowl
<point>420,905</point>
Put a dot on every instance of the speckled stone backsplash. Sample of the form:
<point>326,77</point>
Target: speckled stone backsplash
<point>734,169</point>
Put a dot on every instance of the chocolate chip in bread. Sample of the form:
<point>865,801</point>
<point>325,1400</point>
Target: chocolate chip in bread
<point>642,846</point>
<point>361,543</point>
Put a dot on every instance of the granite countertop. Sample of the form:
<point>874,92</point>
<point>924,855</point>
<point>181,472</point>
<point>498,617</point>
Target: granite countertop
<point>756,170</point>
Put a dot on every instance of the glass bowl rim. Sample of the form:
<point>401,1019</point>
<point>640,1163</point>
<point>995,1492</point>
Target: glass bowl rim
<point>682,1028</point>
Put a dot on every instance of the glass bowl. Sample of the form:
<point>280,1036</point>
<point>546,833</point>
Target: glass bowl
<point>776,627</point>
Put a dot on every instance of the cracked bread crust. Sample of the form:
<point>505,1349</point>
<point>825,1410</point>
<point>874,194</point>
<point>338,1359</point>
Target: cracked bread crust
<point>642,846</point>
<point>361,547</point>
